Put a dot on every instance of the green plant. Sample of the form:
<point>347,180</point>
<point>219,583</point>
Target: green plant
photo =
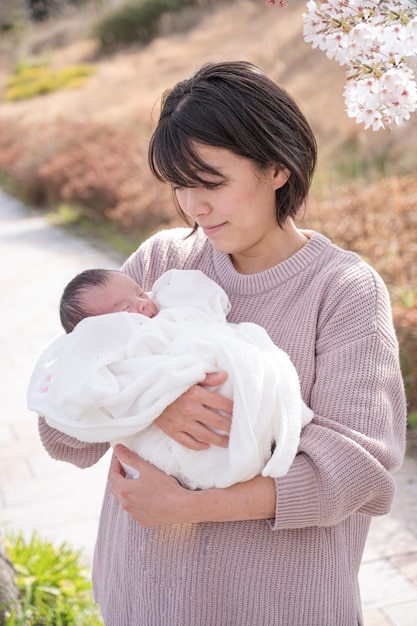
<point>412,420</point>
<point>54,586</point>
<point>355,163</point>
<point>102,231</point>
<point>29,81</point>
<point>12,16</point>
<point>136,21</point>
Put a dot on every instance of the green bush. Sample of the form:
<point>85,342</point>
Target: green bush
<point>412,420</point>
<point>136,21</point>
<point>12,16</point>
<point>54,587</point>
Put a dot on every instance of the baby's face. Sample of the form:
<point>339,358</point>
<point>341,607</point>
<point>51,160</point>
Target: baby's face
<point>121,293</point>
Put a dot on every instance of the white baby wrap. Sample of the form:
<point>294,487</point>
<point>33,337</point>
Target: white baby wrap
<point>114,374</point>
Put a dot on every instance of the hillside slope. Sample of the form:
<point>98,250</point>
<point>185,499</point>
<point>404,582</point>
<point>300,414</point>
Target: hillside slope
<point>128,84</point>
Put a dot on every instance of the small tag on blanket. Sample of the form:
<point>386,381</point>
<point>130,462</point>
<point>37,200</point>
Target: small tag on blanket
<point>131,472</point>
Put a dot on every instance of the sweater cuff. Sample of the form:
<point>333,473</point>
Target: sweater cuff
<point>65,448</point>
<point>298,497</point>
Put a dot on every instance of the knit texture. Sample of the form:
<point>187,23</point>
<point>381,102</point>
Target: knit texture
<point>330,311</point>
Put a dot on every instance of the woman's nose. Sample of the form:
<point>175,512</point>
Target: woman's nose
<point>193,202</point>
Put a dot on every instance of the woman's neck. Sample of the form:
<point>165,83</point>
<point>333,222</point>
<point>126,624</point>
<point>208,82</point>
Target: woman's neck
<point>283,244</point>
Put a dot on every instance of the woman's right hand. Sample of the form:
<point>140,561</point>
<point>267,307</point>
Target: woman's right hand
<point>192,419</point>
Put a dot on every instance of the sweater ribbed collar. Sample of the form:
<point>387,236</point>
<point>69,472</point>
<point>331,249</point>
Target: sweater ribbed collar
<point>260,282</point>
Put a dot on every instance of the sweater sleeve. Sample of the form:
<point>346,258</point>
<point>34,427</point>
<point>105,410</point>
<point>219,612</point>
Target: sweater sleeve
<point>65,448</point>
<point>357,437</point>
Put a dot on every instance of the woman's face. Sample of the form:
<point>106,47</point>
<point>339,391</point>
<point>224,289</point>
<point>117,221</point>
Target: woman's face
<point>236,210</point>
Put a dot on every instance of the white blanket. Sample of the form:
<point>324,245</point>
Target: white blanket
<point>114,374</point>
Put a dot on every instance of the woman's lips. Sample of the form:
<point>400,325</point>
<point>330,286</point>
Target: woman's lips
<point>212,230</point>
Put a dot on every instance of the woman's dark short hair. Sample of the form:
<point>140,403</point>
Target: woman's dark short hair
<point>234,105</point>
<point>72,307</point>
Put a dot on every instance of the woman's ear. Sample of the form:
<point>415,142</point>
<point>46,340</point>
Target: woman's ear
<point>281,175</point>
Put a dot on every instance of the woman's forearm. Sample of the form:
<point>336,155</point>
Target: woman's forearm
<point>156,499</point>
<point>254,499</point>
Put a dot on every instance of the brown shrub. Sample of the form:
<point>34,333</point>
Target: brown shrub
<point>378,220</point>
<point>101,170</point>
<point>10,149</point>
<point>405,321</point>
<point>28,149</point>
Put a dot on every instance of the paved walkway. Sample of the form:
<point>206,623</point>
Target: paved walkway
<point>63,502</point>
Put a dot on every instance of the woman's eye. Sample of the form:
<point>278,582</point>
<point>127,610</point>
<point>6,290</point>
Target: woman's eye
<point>212,186</point>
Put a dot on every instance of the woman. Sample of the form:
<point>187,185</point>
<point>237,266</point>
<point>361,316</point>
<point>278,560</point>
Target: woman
<point>240,156</point>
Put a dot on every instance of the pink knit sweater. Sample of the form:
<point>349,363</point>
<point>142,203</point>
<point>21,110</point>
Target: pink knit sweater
<point>330,311</point>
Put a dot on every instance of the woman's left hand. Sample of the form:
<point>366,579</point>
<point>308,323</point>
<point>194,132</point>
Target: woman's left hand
<point>156,499</point>
<point>153,499</point>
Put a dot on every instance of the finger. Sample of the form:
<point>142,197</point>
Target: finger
<point>115,467</point>
<point>214,420</point>
<point>214,379</point>
<point>201,439</point>
<point>210,429</point>
<point>204,434</point>
<point>133,464</point>
<point>188,441</point>
<point>116,477</point>
<point>216,401</point>
<point>127,456</point>
<point>220,405</point>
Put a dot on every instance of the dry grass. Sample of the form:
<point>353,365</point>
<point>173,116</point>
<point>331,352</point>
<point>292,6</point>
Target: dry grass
<point>244,29</point>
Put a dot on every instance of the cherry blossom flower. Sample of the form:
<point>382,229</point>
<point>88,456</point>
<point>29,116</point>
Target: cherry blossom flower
<point>374,40</point>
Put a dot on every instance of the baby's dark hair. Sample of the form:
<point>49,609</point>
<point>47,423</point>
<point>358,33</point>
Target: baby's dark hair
<point>72,305</point>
